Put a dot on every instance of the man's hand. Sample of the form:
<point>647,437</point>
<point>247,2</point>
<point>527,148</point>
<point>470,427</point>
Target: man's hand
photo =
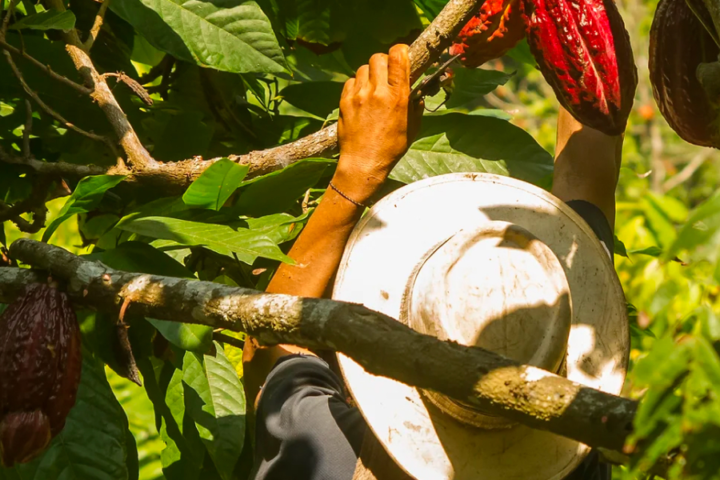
<point>377,123</point>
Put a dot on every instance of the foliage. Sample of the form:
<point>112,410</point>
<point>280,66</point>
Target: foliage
<point>228,77</point>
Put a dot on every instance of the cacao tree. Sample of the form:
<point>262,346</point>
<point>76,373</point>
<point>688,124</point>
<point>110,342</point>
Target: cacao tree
<point>194,139</point>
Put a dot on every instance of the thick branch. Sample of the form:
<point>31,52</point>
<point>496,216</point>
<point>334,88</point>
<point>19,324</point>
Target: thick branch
<point>497,385</point>
<point>134,149</point>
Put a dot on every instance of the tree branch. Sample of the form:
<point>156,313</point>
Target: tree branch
<point>45,68</point>
<point>48,109</point>
<point>131,145</point>
<point>97,25</point>
<point>177,176</point>
<point>383,346</point>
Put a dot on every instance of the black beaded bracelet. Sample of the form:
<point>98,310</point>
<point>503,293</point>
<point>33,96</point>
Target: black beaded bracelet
<point>346,197</point>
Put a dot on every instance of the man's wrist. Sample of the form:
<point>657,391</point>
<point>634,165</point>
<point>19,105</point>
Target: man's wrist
<point>358,186</point>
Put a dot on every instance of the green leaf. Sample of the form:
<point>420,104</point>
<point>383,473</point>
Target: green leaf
<point>318,98</point>
<point>619,248</point>
<point>277,191</point>
<point>431,8</point>
<point>166,206</point>
<point>246,244</point>
<point>196,338</point>
<point>93,443</point>
<point>215,185</point>
<point>470,84</point>
<point>47,20</point>
<point>653,251</point>
<point>279,228</point>
<point>701,226</point>
<point>218,408</point>
<point>97,226</point>
<point>455,142</point>
<point>141,257</point>
<point>229,35</point>
<point>320,22</point>
<point>87,195</point>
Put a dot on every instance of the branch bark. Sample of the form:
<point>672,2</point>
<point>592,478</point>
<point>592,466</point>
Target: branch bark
<point>177,176</point>
<point>383,346</point>
<point>129,141</point>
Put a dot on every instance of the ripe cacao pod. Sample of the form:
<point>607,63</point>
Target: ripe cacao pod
<point>40,363</point>
<point>494,30</point>
<point>680,46</point>
<point>583,51</point>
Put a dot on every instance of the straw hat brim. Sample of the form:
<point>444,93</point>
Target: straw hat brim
<point>381,254</point>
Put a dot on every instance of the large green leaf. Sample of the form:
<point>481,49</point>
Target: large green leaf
<point>165,206</point>
<point>215,185</point>
<point>141,257</point>
<point>93,443</point>
<point>218,407</point>
<point>470,84</point>
<point>319,22</point>
<point>246,244</point>
<point>47,20</point>
<point>280,227</point>
<point>702,225</point>
<point>277,191</point>
<point>318,98</point>
<point>456,142</point>
<point>196,338</point>
<point>230,35</point>
<point>183,454</point>
<point>87,195</point>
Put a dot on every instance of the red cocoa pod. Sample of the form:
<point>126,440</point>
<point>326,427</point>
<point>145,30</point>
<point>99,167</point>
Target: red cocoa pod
<point>583,51</point>
<point>680,47</point>
<point>496,28</point>
<point>40,364</point>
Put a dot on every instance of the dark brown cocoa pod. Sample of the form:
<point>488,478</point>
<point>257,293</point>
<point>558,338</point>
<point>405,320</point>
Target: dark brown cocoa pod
<point>583,51</point>
<point>40,365</point>
<point>681,47</point>
<point>494,30</point>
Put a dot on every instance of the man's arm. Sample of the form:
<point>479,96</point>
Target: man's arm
<point>375,128</point>
<point>587,165</point>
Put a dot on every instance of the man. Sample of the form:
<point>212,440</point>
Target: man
<point>304,427</point>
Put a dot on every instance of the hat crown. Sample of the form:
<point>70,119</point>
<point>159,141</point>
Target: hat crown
<point>494,286</point>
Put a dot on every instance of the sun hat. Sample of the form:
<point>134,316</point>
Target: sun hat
<point>498,263</point>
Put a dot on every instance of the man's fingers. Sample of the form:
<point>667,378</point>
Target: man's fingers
<point>362,78</point>
<point>399,67</point>
<point>378,70</point>
<point>348,89</point>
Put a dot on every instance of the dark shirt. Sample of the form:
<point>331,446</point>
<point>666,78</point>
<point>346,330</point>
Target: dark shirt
<point>306,431</point>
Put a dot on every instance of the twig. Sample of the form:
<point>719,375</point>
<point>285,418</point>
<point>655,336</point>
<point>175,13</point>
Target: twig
<point>6,21</point>
<point>235,342</point>
<point>133,85</point>
<point>97,25</point>
<point>34,203</point>
<point>131,145</point>
<point>45,68</point>
<point>47,108</point>
<point>62,169</point>
<point>687,172</point>
<point>28,129</point>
